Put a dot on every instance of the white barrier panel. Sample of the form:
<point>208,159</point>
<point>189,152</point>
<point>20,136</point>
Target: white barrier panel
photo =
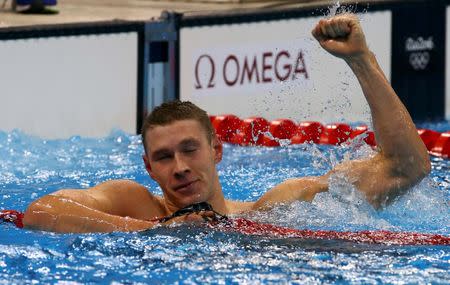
<point>64,86</point>
<point>276,70</point>
<point>447,65</point>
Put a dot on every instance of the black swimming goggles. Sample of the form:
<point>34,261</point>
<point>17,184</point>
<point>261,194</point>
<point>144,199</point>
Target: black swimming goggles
<point>197,209</point>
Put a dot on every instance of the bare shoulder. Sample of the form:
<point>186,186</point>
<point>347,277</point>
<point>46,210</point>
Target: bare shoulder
<point>108,187</point>
<point>128,198</point>
<point>120,184</point>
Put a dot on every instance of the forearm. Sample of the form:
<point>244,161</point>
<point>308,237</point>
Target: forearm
<point>395,131</point>
<point>402,160</point>
<point>291,190</point>
<point>59,214</point>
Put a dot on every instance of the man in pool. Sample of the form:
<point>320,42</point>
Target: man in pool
<point>181,153</point>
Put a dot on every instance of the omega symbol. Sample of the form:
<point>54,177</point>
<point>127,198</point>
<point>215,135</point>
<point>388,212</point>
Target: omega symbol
<point>212,73</point>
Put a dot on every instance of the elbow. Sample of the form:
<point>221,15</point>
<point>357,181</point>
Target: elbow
<point>38,216</point>
<point>417,167</point>
<point>426,166</point>
<point>417,170</point>
<point>423,165</point>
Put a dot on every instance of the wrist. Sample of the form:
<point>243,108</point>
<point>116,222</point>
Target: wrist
<point>361,61</point>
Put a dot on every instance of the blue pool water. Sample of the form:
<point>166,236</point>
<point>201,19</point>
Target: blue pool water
<point>31,167</point>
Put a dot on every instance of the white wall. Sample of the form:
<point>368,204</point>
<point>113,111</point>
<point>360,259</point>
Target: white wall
<point>328,93</point>
<point>447,65</point>
<point>64,86</point>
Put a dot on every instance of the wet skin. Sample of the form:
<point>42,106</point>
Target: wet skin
<point>183,161</point>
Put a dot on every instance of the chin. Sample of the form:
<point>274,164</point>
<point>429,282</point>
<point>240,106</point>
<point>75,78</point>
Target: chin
<point>191,201</point>
<point>196,198</point>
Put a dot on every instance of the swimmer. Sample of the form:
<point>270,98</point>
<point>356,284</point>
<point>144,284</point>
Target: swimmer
<point>182,151</point>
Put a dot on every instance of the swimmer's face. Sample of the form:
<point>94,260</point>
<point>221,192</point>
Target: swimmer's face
<point>183,162</point>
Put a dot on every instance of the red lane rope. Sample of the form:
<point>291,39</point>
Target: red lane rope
<point>12,216</point>
<point>372,237</point>
<point>261,132</point>
<point>248,227</point>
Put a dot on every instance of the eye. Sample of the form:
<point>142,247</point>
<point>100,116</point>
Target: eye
<point>189,149</point>
<point>163,157</point>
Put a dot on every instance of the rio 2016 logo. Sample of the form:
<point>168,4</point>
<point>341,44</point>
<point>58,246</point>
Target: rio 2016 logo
<point>234,70</point>
<point>419,50</point>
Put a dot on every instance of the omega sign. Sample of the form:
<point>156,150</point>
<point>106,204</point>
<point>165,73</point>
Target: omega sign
<point>261,68</point>
<point>419,50</point>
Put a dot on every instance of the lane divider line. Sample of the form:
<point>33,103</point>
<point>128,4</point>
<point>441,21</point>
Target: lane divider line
<point>257,131</point>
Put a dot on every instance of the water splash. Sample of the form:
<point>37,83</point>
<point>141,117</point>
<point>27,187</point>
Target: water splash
<point>194,255</point>
<point>281,142</point>
<point>334,9</point>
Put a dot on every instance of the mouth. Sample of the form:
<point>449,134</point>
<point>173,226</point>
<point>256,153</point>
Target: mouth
<point>185,186</point>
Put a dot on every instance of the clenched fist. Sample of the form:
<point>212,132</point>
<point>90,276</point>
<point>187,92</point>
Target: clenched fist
<point>342,36</point>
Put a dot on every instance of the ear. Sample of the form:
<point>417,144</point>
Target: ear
<point>218,149</point>
<point>147,165</point>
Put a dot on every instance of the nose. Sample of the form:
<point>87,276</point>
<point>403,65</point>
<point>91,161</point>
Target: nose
<point>181,168</point>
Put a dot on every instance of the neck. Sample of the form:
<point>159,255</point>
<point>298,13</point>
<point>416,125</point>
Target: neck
<point>216,199</point>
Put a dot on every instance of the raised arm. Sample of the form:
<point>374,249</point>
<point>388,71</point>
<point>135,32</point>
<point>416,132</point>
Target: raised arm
<point>402,159</point>
<point>118,205</point>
